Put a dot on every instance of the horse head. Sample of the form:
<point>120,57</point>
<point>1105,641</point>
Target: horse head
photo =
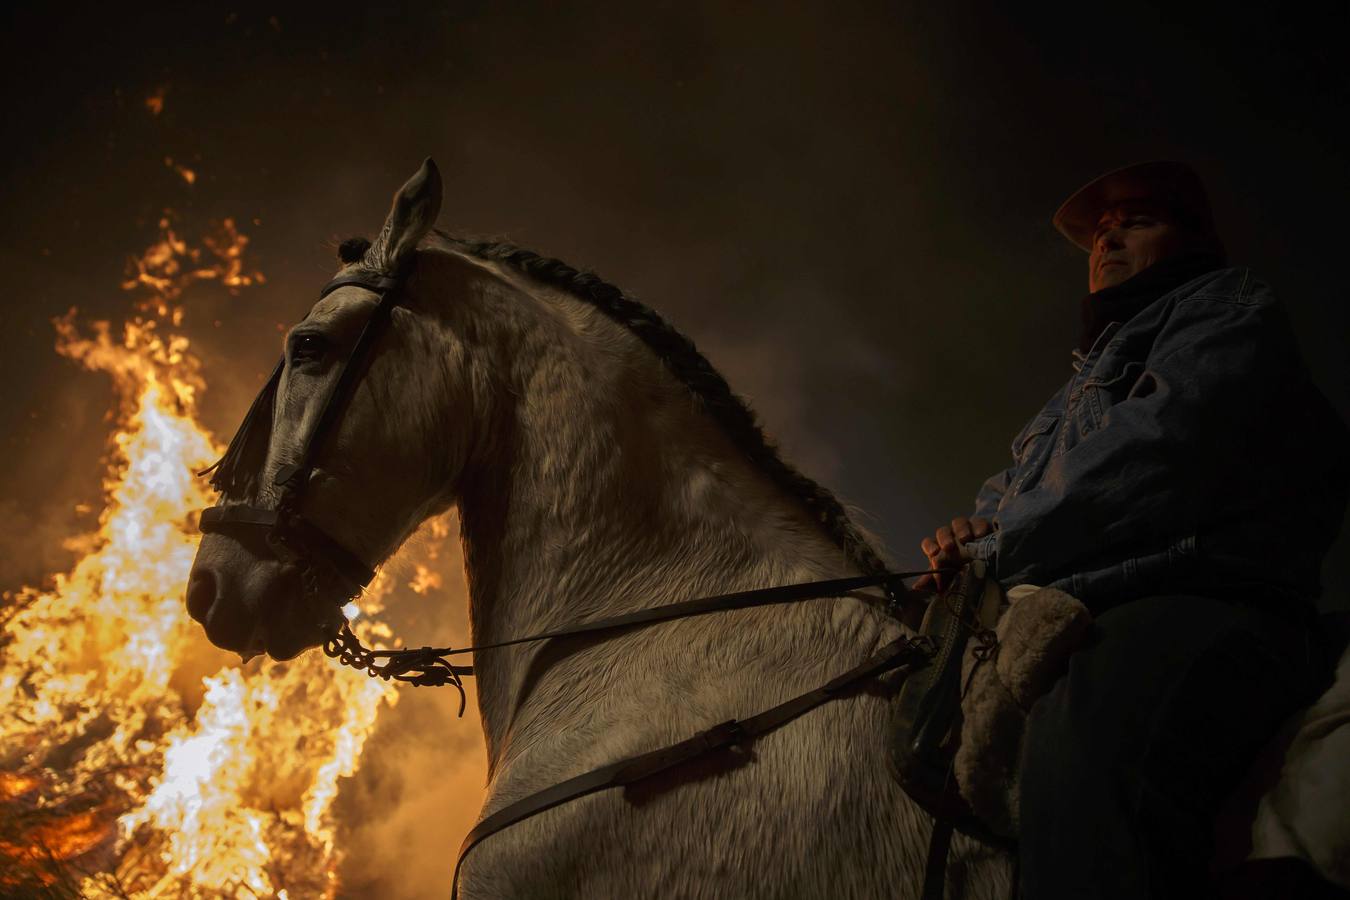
<point>363,484</point>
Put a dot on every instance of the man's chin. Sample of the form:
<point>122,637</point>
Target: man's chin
<point>1109,277</point>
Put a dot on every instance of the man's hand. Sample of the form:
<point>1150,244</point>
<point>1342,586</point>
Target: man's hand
<point>943,549</point>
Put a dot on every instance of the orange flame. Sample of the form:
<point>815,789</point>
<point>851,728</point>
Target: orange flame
<point>113,706</point>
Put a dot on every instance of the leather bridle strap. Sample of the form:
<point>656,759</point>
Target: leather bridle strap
<point>343,561</point>
<point>901,652</point>
<point>428,665</point>
<point>296,473</point>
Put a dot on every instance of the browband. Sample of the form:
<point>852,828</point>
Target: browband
<point>380,284</point>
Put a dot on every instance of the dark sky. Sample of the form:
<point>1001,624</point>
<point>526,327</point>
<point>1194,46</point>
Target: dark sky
<point>846,205</point>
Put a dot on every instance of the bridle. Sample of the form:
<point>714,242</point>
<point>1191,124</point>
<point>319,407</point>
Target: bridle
<point>294,539</point>
<point>290,536</point>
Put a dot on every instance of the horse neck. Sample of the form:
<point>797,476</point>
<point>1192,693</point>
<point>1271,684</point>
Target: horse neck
<point>609,490</point>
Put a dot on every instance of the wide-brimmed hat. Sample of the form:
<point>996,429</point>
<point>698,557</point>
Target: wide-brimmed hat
<point>1174,185</point>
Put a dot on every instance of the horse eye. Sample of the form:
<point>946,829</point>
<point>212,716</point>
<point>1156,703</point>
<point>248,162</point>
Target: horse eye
<point>307,346</point>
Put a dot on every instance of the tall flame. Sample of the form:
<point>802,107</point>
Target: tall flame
<point>137,759</point>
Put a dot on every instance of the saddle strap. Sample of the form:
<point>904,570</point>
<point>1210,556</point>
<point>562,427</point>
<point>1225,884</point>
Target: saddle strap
<point>928,709</point>
<point>901,652</point>
<point>935,867</point>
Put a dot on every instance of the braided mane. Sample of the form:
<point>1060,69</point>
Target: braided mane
<point>693,370</point>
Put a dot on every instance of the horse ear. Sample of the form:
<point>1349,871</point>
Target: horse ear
<point>415,208</point>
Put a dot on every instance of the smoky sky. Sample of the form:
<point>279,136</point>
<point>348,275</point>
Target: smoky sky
<point>846,205</point>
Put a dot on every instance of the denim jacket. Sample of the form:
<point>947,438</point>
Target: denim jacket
<point>1189,452</point>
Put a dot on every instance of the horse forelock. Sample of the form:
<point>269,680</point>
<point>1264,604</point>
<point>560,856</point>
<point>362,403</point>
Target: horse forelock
<point>353,250</point>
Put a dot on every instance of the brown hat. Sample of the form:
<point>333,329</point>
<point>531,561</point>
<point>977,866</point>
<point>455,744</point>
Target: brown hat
<point>1175,185</point>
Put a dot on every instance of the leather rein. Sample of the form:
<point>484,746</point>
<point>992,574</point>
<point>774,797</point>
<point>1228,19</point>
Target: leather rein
<point>298,541</point>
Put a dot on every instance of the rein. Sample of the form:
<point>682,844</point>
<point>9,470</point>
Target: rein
<point>427,666</point>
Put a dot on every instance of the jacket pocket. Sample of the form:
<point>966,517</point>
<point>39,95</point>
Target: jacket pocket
<point>1030,451</point>
<point>1109,384</point>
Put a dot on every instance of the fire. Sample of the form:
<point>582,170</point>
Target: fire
<point>170,266</point>
<point>136,759</point>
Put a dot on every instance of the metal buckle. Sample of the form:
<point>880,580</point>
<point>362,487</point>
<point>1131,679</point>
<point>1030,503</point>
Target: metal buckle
<point>290,474</point>
<point>724,735</point>
<point>281,538</point>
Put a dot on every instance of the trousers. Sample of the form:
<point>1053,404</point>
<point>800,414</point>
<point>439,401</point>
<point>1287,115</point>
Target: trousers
<point>1128,758</point>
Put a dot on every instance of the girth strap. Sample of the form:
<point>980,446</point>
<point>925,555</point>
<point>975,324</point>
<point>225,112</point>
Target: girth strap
<point>901,652</point>
<point>935,866</point>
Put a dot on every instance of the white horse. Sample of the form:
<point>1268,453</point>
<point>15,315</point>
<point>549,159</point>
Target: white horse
<point>600,465</point>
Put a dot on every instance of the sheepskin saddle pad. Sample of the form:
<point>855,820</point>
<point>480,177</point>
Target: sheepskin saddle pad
<point>957,732</point>
<point>1038,629</point>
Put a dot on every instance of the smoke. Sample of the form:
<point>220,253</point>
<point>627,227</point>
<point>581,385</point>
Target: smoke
<point>39,541</point>
<point>416,795</point>
<point>421,781</point>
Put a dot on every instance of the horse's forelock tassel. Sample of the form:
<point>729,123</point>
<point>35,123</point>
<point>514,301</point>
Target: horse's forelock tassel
<point>228,474</point>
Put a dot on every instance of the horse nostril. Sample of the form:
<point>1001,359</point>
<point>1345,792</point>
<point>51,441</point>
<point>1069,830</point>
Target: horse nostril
<point>201,593</point>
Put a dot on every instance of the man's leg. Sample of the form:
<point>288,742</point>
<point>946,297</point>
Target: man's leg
<point>1128,758</point>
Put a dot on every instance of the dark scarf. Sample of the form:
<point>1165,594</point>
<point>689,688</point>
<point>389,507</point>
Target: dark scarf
<point>1123,301</point>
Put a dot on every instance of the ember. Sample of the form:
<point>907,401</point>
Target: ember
<point>188,175</point>
<point>155,102</point>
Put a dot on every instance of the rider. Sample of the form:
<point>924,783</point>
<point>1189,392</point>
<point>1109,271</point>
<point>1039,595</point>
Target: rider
<point>1185,484</point>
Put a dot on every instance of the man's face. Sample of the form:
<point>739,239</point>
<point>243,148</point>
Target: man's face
<point>1130,238</point>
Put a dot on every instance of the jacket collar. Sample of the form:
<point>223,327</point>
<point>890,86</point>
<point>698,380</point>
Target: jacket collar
<point>1121,302</point>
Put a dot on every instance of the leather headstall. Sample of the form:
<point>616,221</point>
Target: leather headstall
<point>289,535</point>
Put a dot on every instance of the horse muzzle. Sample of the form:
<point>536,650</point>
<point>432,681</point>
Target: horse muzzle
<point>250,602</point>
